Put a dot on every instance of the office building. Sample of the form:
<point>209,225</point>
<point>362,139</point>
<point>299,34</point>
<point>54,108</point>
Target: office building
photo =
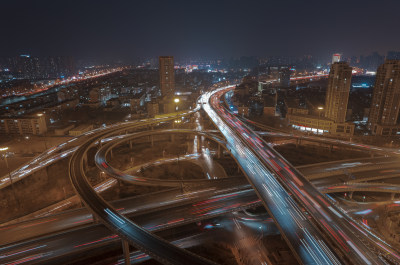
<point>337,94</point>
<point>167,76</point>
<point>384,111</point>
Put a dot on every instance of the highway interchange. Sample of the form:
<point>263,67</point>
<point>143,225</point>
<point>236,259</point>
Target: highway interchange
<point>282,189</point>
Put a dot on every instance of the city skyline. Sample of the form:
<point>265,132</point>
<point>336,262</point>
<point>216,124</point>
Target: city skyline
<point>202,133</point>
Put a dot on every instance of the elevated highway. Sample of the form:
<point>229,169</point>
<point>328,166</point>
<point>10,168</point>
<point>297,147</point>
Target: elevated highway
<point>112,218</point>
<point>306,242</point>
<point>324,213</point>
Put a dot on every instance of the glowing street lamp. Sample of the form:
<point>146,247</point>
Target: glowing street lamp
<point>176,100</point>
<point>320,108</point>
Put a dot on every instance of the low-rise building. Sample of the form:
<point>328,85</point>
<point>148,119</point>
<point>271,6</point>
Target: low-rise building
<point>269,105</point>
<point>387,130</point>
<point>32,124</point>
<point>320,125</point>
<point>63,105</point>
<point>153,108</point>
<point>293,107</point>
<point>137,101</point>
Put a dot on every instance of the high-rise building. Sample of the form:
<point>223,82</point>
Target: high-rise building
<point>336,58</point>
<point>284,77</point>
<point>337,93</point>
<point>167,76</point>
<point>384,111</point>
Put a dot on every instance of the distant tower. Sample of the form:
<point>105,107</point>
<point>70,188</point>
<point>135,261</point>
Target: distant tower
<point>336,58</point>
<point>167,76</point>
<point>386,98</point>
<point>337,93</point>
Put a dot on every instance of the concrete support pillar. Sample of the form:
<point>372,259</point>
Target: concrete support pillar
<point>46,171</point>
<point>298,142</point>
<point>85,161</point>
<point>351,194</point>
<point>125,249</point>
<point>198,144</point>
<point>220,151</point>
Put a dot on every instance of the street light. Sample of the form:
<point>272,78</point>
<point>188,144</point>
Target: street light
<point>4,149</point>
<point>320,108</point>
<point>176,100</point>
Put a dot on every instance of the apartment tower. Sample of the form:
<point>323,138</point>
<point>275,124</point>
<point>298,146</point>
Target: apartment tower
<point>337,94</point>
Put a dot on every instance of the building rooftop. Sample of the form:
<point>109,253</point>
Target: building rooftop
<point>294,103</point>
<point>269,101</point>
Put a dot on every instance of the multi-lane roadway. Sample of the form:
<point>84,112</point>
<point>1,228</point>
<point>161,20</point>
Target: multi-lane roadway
<point>339,230</point>
<point>282,189</point>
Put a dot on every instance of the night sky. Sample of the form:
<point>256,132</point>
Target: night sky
<point>198,28</point>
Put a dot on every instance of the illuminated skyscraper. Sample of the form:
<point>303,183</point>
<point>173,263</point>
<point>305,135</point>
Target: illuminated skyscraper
<point>337,94</point>
<point>384,111</point>
<point>167,76</point>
